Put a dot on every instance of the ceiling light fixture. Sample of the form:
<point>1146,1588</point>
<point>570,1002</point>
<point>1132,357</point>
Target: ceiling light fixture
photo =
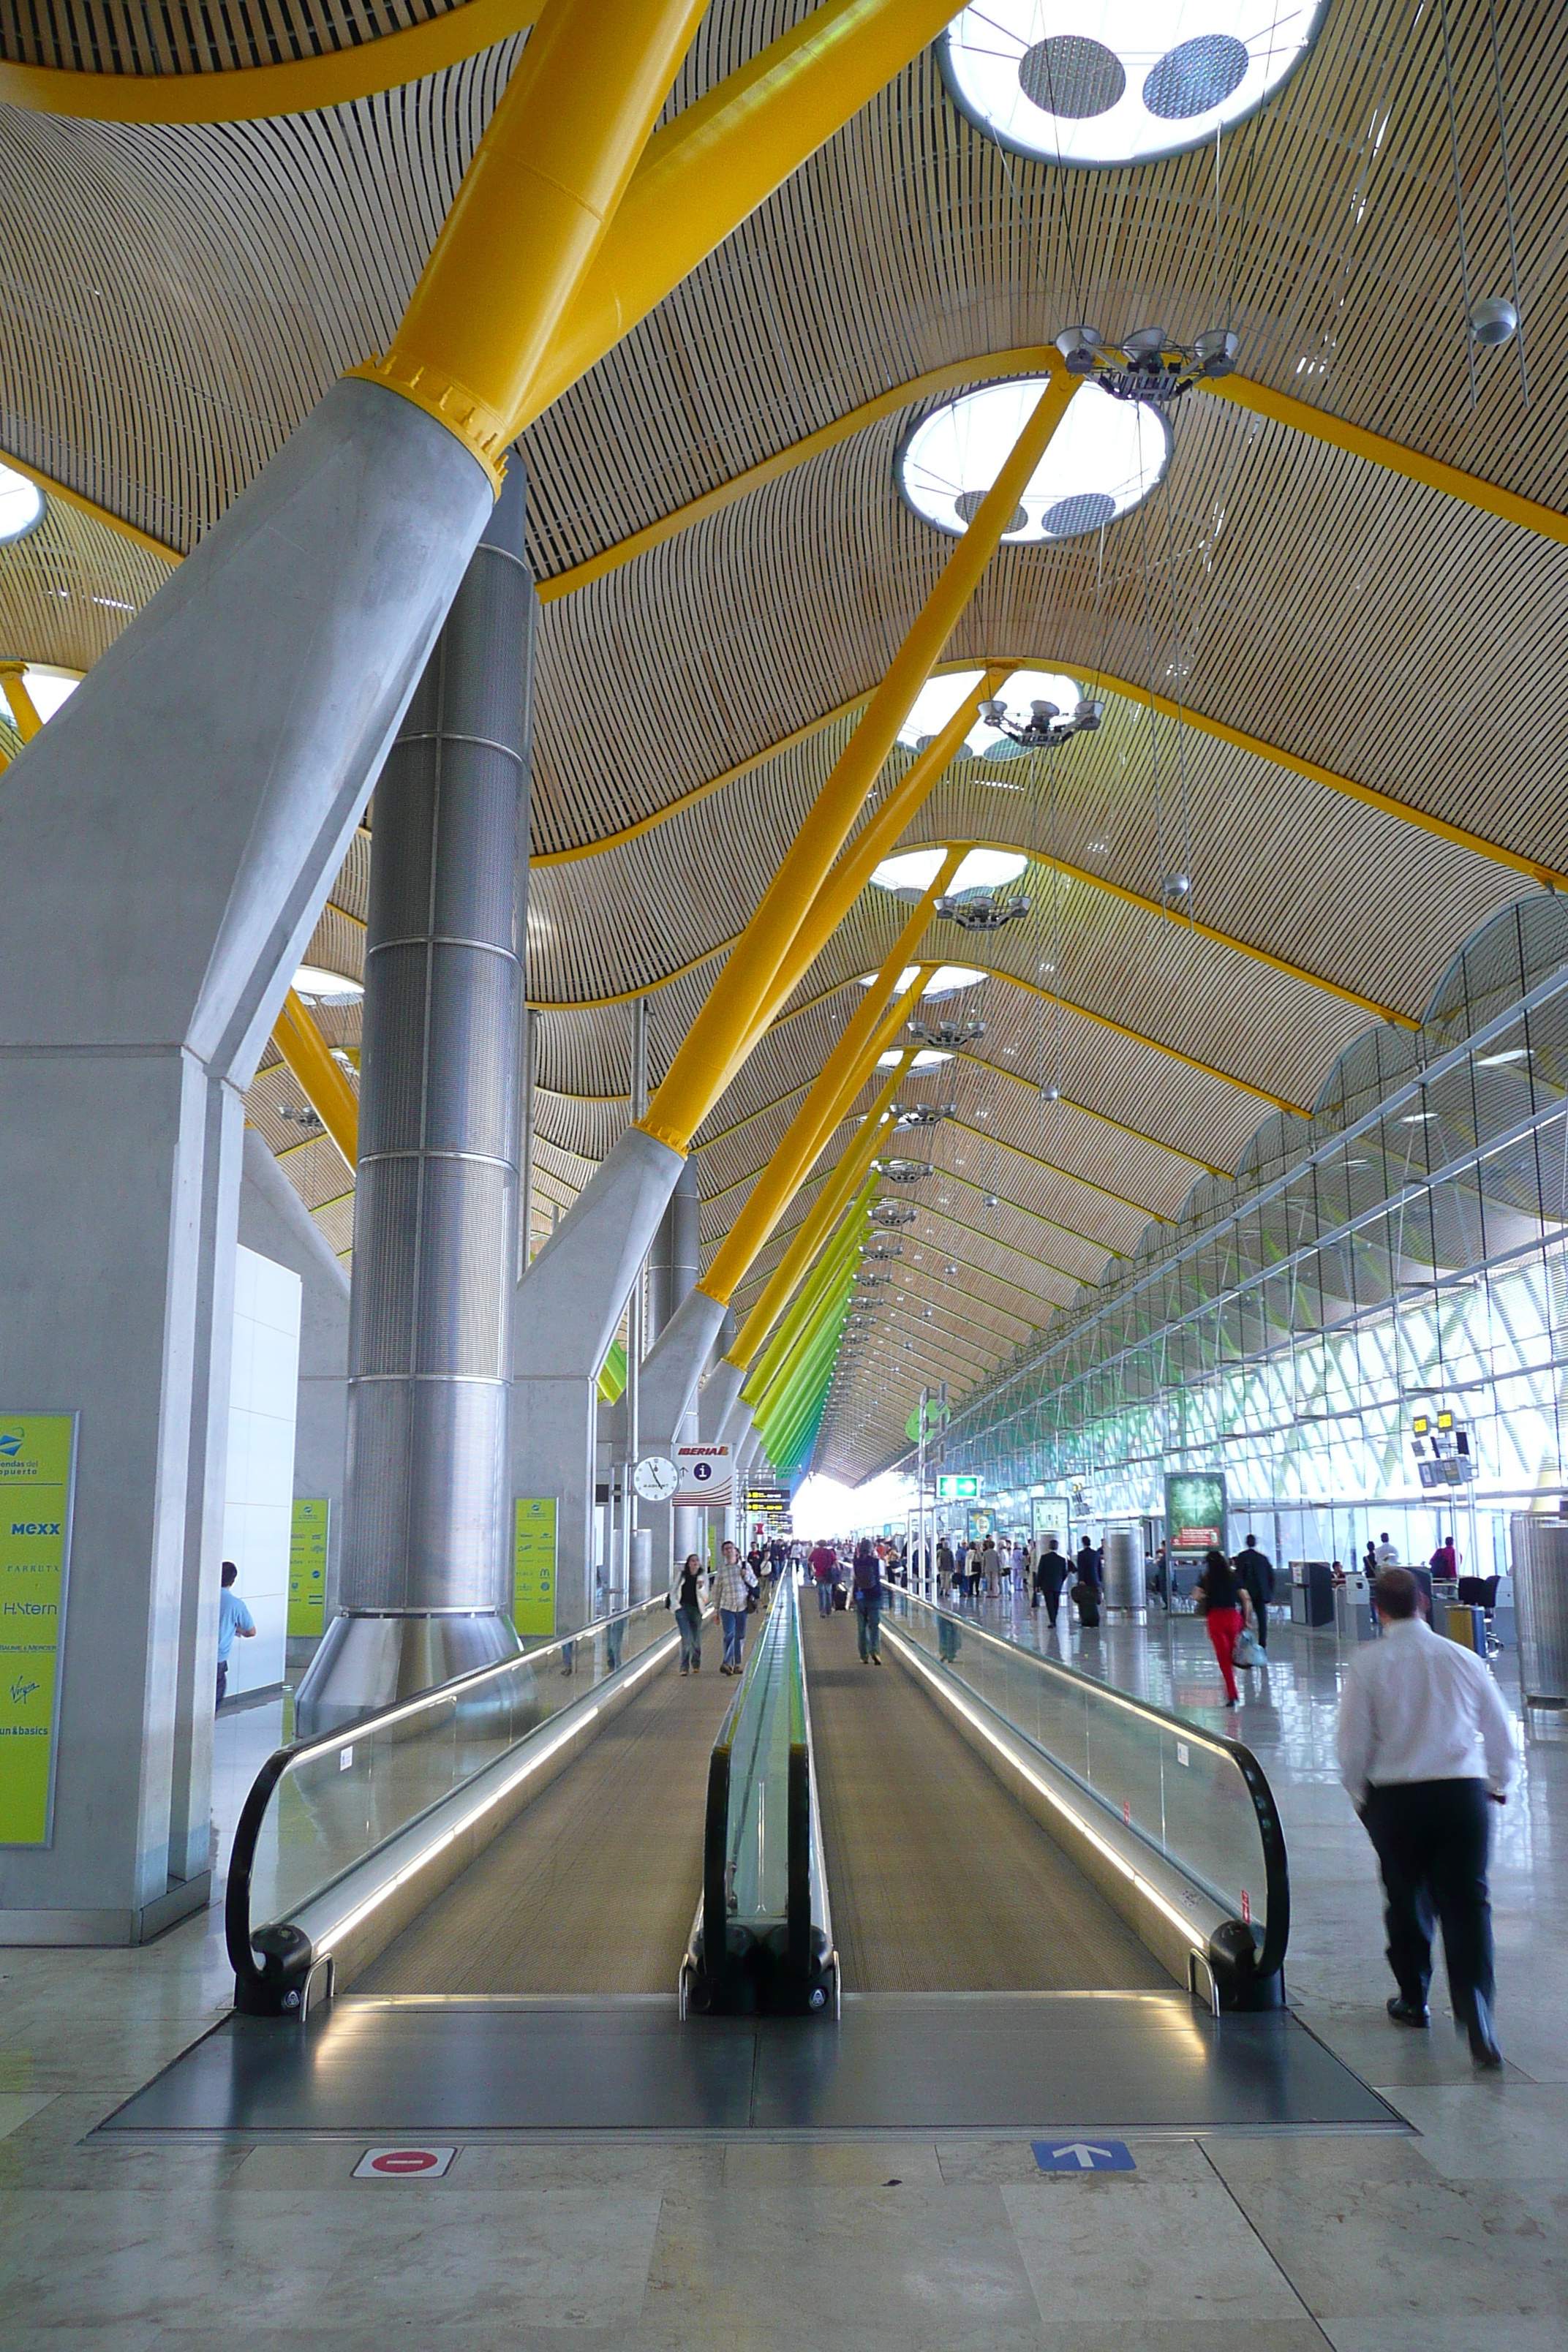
<point>1104,458</point>
<point>1118,81</point>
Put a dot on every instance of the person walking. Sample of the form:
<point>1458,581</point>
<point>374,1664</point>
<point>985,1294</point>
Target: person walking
<point>1161,1576</point>
<point>990,1568</point>
<point>689,1615</point>
<point>1050,1575</point>
<point>1222,1615</point>
<point>866,1592</point>
<point>823,1563</point>
<point>1255,1574</point>
<point>1020,1565</point>
<point>1425,1746</point>
<point>945,1570</point>
<point>1087,1563</point>
<point>233,1617</point>
<point>736,1584</point>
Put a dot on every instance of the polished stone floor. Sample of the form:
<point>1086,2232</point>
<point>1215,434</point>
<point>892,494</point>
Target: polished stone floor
<point>1453,2239</point>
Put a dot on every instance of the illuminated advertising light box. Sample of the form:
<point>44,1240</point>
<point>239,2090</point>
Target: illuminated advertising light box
<point>1195,1510</point>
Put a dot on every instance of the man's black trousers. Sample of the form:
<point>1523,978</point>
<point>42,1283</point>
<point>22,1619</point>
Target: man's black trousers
<point>1430,1838</point>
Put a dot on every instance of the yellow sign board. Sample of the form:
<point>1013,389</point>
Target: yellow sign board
<point>533,1567</point>
<point>308,1565</point>
<point>38,1461</point>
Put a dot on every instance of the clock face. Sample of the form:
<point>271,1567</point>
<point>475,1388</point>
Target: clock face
<point>655,1479</point>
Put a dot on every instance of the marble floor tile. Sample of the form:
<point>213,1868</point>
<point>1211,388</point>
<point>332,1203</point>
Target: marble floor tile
<point>1381,2249</point>
<point>18,2107</point>
<point>1116,2249</point>
<point>859,2270</point>
<point>326,2259</point>
<point>1496,2131</point>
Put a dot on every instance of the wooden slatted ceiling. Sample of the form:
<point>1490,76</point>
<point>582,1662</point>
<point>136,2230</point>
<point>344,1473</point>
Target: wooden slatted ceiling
<point>109,36</point>
<point>180,297</point>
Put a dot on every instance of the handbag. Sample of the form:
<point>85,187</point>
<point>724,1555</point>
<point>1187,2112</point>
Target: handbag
<point>1244,1649</point>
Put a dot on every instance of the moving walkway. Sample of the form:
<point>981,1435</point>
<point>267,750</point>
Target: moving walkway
<point>984,1818</point>
<point>971,1890</point>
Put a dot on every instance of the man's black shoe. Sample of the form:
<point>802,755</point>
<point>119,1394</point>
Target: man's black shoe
<point>1407,2012</point>
<point>1483,2040</point>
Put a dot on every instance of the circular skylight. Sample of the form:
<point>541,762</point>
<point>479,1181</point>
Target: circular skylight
<point>1119,82</point>
<point>21,503</point>
<point>318,986</point>
<point>913,871</point>
<point>1105,456</point>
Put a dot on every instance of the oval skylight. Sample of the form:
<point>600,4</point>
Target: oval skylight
<point>1119,82</point>
<point>913,871</point>
<point>927,1058</point>
<point>1105,457</point>
<point>48,688</point>
<point>318,986</point>
<point>21,503</point>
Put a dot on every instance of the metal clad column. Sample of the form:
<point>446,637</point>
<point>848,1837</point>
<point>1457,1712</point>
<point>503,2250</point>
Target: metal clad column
<point>427,1515</point>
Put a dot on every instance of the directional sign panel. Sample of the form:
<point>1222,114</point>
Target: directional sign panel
<point>1083,2156</point>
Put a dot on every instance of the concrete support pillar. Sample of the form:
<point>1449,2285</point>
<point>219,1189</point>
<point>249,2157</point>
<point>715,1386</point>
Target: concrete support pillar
<point>166,845</point>
<point>275,1222</point>
<point>427,1517</point>
<point>670,1418</point>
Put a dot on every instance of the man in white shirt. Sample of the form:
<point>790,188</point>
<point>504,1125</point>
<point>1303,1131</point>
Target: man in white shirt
<point>1426,1744</point>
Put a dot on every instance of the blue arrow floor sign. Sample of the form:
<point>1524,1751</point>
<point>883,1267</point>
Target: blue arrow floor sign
<point>1083,2156</point>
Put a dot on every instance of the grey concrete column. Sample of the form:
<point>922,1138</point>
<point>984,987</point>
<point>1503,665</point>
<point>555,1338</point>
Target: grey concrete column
<point>275,1222</point>
<point>427,1513</point>
<point>670,1377</point>
<point>166,845</point>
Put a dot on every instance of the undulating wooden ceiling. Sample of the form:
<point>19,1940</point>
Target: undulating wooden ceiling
<point>177,296</point>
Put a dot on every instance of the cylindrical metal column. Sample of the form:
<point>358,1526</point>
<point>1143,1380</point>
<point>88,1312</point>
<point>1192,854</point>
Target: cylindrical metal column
<point>426,1523</point>
<point>1539,1554</point>
<point>1125,1600</point>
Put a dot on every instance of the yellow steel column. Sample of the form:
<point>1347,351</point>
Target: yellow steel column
<point>835,1255</point>
<point>14,679</point>
<point>816,1224</point>
<point>866,853</point>
<point>531,211</point>
<point>721,157</point>
<point>325,1089</point>
<point>699,1072</point>
<point>840,1079</point>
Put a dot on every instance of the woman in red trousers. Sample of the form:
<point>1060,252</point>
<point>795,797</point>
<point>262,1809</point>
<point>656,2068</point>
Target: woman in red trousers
<point>1222,1615</point>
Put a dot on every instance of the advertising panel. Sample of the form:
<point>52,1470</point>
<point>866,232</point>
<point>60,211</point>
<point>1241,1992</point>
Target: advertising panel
<point>1195,1510</point>
<point>37,1469</point>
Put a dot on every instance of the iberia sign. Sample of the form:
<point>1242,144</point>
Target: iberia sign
<point>707,1475</point>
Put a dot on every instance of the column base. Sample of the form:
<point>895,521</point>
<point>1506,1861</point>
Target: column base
<point>371,1658</point>
<point>184,1896</point>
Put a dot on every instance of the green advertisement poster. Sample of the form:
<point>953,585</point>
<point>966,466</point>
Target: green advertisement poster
<point>308,1565</point>
<point>533,1567</point>
<point>1195,1509</point>
<point>38,1463</point>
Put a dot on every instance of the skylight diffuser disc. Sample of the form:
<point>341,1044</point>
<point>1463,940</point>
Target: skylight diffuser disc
<point>1119,82</point>
<point>1104,458</point>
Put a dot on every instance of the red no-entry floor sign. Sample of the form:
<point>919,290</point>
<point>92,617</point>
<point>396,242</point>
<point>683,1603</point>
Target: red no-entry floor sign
<point>404,2163</point>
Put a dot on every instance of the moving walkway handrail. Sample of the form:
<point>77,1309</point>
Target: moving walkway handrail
<point>320,1808</point>
<point>1219,1830</point>
<point>773,1948</point>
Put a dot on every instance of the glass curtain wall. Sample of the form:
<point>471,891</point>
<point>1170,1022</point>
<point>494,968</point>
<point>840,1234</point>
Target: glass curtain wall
<point>1403,1252</point>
